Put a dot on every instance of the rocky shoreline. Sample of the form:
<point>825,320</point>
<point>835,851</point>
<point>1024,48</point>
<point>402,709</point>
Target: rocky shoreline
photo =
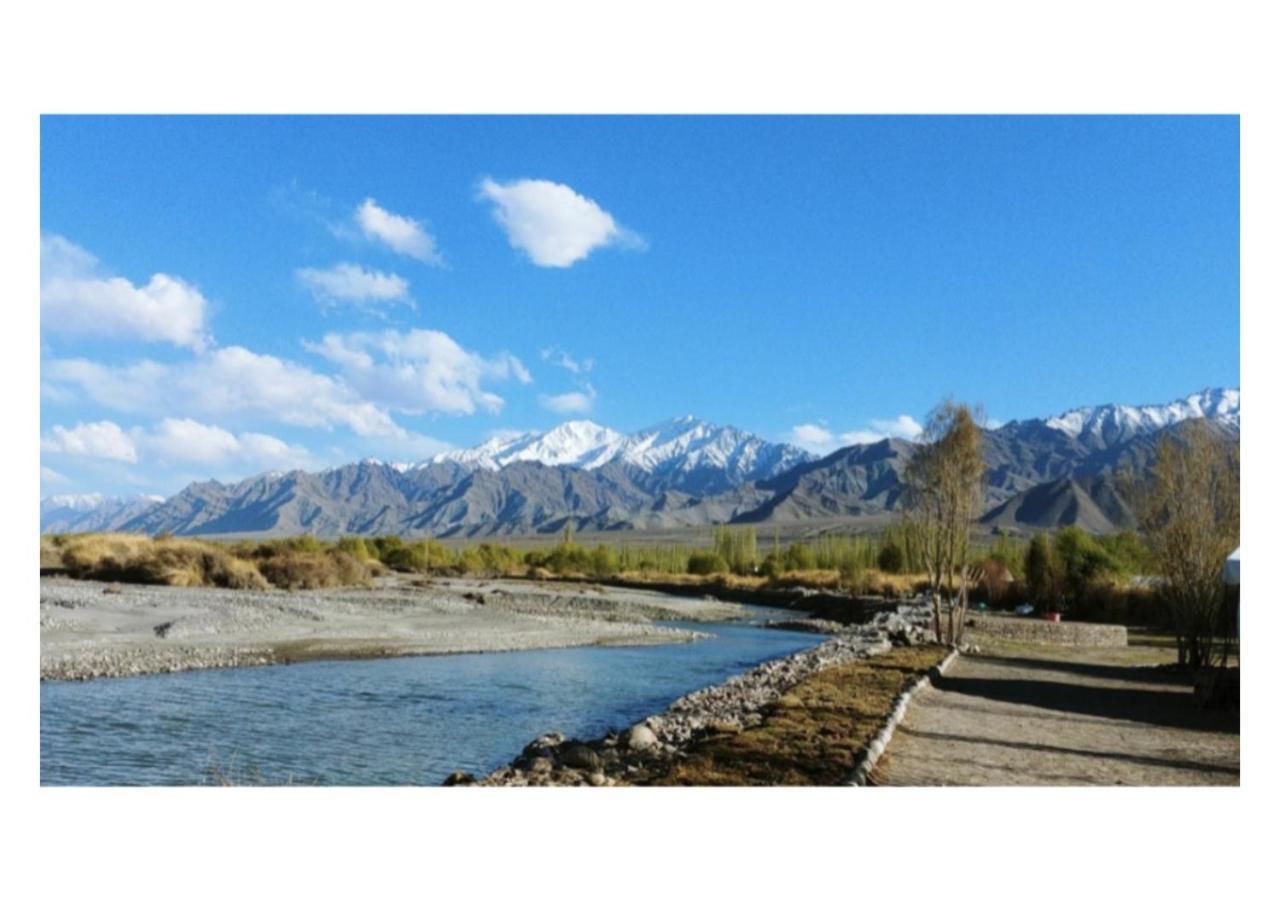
<point>636,754</point>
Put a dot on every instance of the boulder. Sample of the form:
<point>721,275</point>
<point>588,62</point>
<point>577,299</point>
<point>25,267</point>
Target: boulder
<point>639,737</point>
<point>459,777</point>
<point>577,755</point>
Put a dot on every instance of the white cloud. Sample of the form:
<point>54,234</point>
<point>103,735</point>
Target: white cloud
<point>171,441</point>
<point>75,300</point>
<point>49,476</point>
<point>901,427</point>
<point>820,439</point>
<point>402,234</point>
<point>96,440</point>
<point>554,225</point>
<point>571,403</point>
<point>231,381</point>
<point>419,371</point>
<point>813,438</point>
<point>558,357</point>
<point>189,441</point>
<point>349,283</point>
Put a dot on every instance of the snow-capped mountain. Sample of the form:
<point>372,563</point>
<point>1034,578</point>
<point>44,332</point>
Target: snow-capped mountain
<point>1041,473</point>
<point>91,512</point>
<point>1116,422</point>
<point>581,444</point>
<point>687,452</point>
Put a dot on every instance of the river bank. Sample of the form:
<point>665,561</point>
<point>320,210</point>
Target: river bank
<point>650,750</point>
<point>92,629</point>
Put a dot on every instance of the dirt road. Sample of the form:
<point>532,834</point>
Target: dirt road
<point>1059,717</point>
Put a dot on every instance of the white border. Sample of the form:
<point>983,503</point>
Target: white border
<point>655,57</point>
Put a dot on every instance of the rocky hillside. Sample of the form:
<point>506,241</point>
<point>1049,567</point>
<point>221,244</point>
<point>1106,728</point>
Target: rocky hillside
<point>1041,473</point>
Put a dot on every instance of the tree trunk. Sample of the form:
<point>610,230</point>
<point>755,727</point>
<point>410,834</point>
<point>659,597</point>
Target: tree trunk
<point>964,607</point>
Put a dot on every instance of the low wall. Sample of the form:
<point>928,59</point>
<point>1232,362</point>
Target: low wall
<point>1042,631</point>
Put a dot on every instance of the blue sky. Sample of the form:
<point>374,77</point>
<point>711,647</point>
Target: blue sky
<point>222,296</point>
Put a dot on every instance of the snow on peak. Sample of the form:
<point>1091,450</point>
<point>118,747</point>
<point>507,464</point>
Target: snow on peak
<point>682,444</point>
<point>72,501</point>
<point>575,443</point>
<point>1118,420</point>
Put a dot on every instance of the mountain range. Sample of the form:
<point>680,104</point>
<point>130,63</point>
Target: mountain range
<point>1041,473</point>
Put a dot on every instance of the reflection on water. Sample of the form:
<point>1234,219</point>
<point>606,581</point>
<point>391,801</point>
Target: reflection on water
<point>394,721</point>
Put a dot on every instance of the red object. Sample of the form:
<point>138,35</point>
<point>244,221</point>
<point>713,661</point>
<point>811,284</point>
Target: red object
<point>1053,617</point>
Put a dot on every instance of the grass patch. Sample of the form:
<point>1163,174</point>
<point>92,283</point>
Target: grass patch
<point>810,736</point>
<point>187,562</point>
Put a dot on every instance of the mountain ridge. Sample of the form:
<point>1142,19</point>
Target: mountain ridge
<point>677,473</point>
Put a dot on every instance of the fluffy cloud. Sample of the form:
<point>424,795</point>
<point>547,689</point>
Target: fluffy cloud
<point>231,381</point>
<point>189,441</point>
<point>571,403</point>
<point>819,439</point>
<point>558,357</point>
<point>903,427</point>
<point>419,371</point>
<point>75,300</point>
<point>403,235</point>
<point>813,438</point>
<point>171,441</point>
<point>95,440</point>
<point>551,223</point>
<point>349,283</point>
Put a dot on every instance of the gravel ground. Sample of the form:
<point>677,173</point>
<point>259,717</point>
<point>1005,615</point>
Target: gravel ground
<point>90,629</point>
<point>1059,718</point>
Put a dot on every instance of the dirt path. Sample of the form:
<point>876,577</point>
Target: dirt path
<point>1059,718</point>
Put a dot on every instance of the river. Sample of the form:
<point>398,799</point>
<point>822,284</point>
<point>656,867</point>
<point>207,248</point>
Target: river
<point>403,721</point>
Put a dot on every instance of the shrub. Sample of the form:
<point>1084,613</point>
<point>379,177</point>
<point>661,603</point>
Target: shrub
<point>384,545</point>
<point>705,562</point>
<point>568,558</point>
<point>891,558</point>
<point>604,561</point>
<point>50,552</point>
<point>1041,579</point>
<point>737,546</point>
<point>355,546</point>
<point>306,570</point>
<point>420,556</point>
<point>772,566</point>
<point>177,562</point>
<point>799,557</point>
<point>486,559</point>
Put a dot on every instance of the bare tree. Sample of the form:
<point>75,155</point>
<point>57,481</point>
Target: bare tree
<point>942,496</point>
<point>1189,509</point>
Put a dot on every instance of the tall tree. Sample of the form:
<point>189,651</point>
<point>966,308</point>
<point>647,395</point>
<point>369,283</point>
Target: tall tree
<point>943,495</point>
<point>1189,511</point>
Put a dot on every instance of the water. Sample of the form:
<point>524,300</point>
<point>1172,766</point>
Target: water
<point>390,721</point>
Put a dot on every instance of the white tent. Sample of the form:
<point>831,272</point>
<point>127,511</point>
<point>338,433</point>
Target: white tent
<point>1231,571</point>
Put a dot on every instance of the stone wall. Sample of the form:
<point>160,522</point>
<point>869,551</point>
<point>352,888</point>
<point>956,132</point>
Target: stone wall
<point>1042,631</point>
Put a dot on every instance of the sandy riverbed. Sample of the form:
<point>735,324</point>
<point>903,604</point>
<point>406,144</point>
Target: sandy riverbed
<point>90,629</point>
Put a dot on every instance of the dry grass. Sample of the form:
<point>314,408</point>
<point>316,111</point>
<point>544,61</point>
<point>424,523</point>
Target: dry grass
<point>810,736</point>
<point>185,562</point>
<point>304,570</point>
<point>178,562</point>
